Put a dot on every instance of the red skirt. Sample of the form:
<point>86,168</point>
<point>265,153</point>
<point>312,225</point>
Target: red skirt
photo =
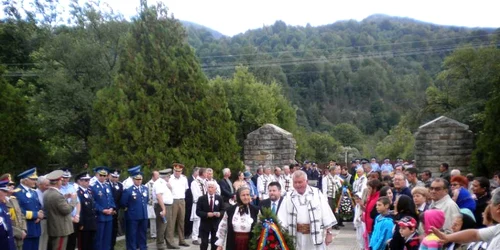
<point>241,241</point>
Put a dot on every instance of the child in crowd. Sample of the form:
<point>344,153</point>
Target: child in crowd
<point>431,218</point>
<point>359,225</point>
<point>382,231</point>
<point>408,230</point>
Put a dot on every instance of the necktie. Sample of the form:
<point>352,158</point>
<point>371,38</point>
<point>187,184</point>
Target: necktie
<point>211,203</point>
<point>273,208</point>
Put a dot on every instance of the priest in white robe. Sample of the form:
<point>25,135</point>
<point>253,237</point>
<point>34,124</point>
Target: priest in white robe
<point>306,215</point>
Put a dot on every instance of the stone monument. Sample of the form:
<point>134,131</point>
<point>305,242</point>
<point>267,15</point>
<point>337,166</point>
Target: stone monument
<point>269,145</point>
<point>443,140</point>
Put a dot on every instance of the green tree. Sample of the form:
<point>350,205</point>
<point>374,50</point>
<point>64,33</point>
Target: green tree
<point>253,103</point>
<point>160,108</point>
<point>399,143</point>
<point>324,146</point>
<point>347,134</point>
<point>20,144</point>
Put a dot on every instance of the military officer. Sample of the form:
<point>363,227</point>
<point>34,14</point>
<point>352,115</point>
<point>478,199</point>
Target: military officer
<point>87,226</point>
<point>67,189</point>
<point>6,231</point>
<point>105,206</point>
<point>16,216</point>
<point>117,190</point>
<point>135,201</point>
<point>30,207</point>
<point>129,182</point>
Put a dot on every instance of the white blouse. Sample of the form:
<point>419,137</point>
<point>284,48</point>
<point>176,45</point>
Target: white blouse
<point>241,224</point>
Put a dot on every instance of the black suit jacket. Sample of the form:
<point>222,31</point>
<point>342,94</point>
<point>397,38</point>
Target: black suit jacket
<point>203,208</point>
<point>117,191</point>
<point>225,190</point>
<point>267,204</point>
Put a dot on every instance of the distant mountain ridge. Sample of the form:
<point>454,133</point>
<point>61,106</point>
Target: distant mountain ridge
<point>216,34</point>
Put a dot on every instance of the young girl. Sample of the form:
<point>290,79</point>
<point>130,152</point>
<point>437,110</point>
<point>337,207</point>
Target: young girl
<point>408,230</point>
<point>382,231</point>
<point>431,218</point>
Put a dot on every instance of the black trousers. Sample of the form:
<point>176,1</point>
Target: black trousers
<point>72,238</point>
<point>114,231</point>
<point>188,224</point>
<point>206,229</point>
<point>86,240</point>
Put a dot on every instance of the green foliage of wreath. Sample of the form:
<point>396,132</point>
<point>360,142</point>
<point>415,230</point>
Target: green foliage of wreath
<point>268,215</point>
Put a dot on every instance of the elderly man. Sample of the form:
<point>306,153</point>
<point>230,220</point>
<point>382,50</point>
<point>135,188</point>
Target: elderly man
<point>42,186</point>
<point>305,214</point>
<point>226,186</point>
<point>59,210</point>
<point>387,166</point>
<point>209,208</point>
<point>400,187</point>
<point>31,208</point>
<point>442,200</point>
<point>179,185</point>
<point>263,182</point>
<point>162,199</point>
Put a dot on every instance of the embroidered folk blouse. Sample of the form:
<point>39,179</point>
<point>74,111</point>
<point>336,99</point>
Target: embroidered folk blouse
<point>241,224</point>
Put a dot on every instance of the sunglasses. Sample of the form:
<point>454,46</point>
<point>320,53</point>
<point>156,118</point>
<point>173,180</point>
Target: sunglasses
<point>103,175</point>
<point>436,188</point>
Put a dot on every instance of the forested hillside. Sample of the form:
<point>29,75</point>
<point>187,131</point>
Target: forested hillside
<point>104,90</point>
<point>368,73</point>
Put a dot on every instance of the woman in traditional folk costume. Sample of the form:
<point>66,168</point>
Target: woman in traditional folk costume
<point>235,229</point>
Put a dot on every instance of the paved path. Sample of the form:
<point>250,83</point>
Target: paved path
<point>344,239</point>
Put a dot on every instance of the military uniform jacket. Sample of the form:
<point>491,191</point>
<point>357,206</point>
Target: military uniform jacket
<point>58,212</point>
<point>88,217</point>
<point>18,220</point>
<point>117,190</point>
<point>103,199</point>
<point>6,236</point>
<point>135,201</point>
<point>30,205</point>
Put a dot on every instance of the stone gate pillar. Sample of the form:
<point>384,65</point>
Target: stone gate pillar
<point>269,145</point>
<point>443,140</point>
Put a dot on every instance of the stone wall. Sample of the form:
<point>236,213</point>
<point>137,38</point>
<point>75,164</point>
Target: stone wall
<point>269,145</point>
<point>443,140</point>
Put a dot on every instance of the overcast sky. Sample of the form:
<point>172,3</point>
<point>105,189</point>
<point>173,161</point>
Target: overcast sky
<point>231,17</point>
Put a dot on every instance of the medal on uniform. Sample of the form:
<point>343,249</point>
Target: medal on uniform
<point>117,187</point>
<point>28,194</point>
<point>144,194</point>
<point>107,190</point>
<point>86,195</point>
<point>100,193</point>
<point>134,195</point>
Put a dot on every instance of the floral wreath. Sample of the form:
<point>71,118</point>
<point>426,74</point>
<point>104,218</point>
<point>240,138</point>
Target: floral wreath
<point>268,234</point>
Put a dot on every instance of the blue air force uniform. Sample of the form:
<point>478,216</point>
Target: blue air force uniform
<point>30,205</point>
<point>6,230</point>
<point>135,199</point>
<point>103,199</point>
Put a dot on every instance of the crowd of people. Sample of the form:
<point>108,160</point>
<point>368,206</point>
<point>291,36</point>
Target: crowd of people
<point>391,206</point>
